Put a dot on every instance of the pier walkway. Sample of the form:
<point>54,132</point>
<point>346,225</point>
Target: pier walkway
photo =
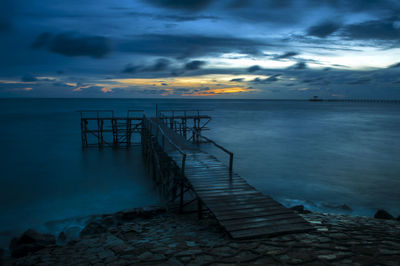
<point>182,171</point>
<point>242,210</point>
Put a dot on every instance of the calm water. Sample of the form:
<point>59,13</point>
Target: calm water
<point>322,155</point>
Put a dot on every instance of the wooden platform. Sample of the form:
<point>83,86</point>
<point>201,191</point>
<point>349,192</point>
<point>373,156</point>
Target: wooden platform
<point>239,208</point>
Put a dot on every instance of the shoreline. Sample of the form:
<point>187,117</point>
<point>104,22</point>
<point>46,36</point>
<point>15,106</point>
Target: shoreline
<point>155,235</point>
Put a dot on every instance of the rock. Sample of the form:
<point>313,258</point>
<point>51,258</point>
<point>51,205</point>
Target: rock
<point>127,215</point>
<point>382,214</point>
<point>145,256</point>
<point>30,241</point>
<point>93,228</point>
<point>300,209</point>
<point>62,237</point>
<point>145,212</point>
<point>190,244</point>
<point>72,233</point>
<point>108,220</point>
<point>398,218</point>
<point>346,207</point>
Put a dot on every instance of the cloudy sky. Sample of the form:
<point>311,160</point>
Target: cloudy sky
<point>290,49</point>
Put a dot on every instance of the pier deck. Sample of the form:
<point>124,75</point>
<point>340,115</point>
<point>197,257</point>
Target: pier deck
<point>181,170</point>
<point>243,211</point>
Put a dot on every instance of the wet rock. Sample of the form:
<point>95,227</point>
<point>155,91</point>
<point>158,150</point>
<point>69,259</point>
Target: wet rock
<point>108,220</point>
<point>127,215</point>
<point>346,207</point>
<point>300,209</point>
<point>93,228</point>
<point>146,212</point>
<point>72,233</point>
<point>382,214</point>
<point>145,256</point>
<point>30,241</point>
<point>62,237</point>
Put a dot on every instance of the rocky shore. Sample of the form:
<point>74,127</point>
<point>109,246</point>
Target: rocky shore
<point>154,236</point>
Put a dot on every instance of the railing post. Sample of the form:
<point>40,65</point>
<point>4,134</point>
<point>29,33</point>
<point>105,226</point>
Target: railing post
<point>183,164</point>
<point>199,209</point>
<point>181,198</point>
<point>230,164</point>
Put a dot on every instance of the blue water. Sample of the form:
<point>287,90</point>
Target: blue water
<point>321,154</point>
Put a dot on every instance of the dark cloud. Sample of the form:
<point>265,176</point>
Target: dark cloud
<point>270,79</point>
<point>182,18</point>
<point>192,5</point>
<point>373,30</point>
<point>161,64</point>
<point>129,68</point>
<point>42,40</point>
<point>184,46</point>
<point>5,25</point>
<point>194,65</point>
<point>356,5</point>
<point>237,80</point>
<point>286,55</point>
<point>323,30</point>
<point>254,68</point>
<point>397,65</point>
<point>6,15</point>
<point>299,65</point>
<point>28,78</point>
<point>70,44</point>
<point>173,17</point>
<point>238,4</point>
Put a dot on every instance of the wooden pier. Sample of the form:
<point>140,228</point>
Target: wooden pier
<point>183,172</point>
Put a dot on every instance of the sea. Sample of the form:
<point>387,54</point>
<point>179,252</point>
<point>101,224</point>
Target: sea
<point>335,157</point>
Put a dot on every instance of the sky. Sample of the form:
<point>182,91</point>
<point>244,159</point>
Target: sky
<point>253,49</point>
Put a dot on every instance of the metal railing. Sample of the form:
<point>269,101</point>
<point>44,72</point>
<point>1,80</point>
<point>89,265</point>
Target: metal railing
<point>135,112</point>
<point>218,146</point>
<point>176,112</point>
<point>97,112</point>
<point>160,131</point>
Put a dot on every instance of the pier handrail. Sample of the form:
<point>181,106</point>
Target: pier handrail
<point>218,146</point>
<point>184,155</point>
<point>133,111</point>
<point>82,112</point>
<point>160,113</point>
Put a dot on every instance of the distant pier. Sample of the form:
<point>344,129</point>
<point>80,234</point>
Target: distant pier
<point>184,173</point>
<point>317,99</point>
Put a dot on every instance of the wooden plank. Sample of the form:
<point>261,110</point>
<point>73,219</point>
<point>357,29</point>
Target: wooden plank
<point>271,231</point>
<point>247,213</point>
<point>263,224</point>
<point>219,190</point>
<point>211,194</point>
<point>223,197</point>
<point>259,219</point>
<point>213,178</point>
<point>216,180</point>
<point>235,205</point>
<point>231,216</point>
<point>240,210</point>
<point>219,201</point>
<point>221,187</point>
